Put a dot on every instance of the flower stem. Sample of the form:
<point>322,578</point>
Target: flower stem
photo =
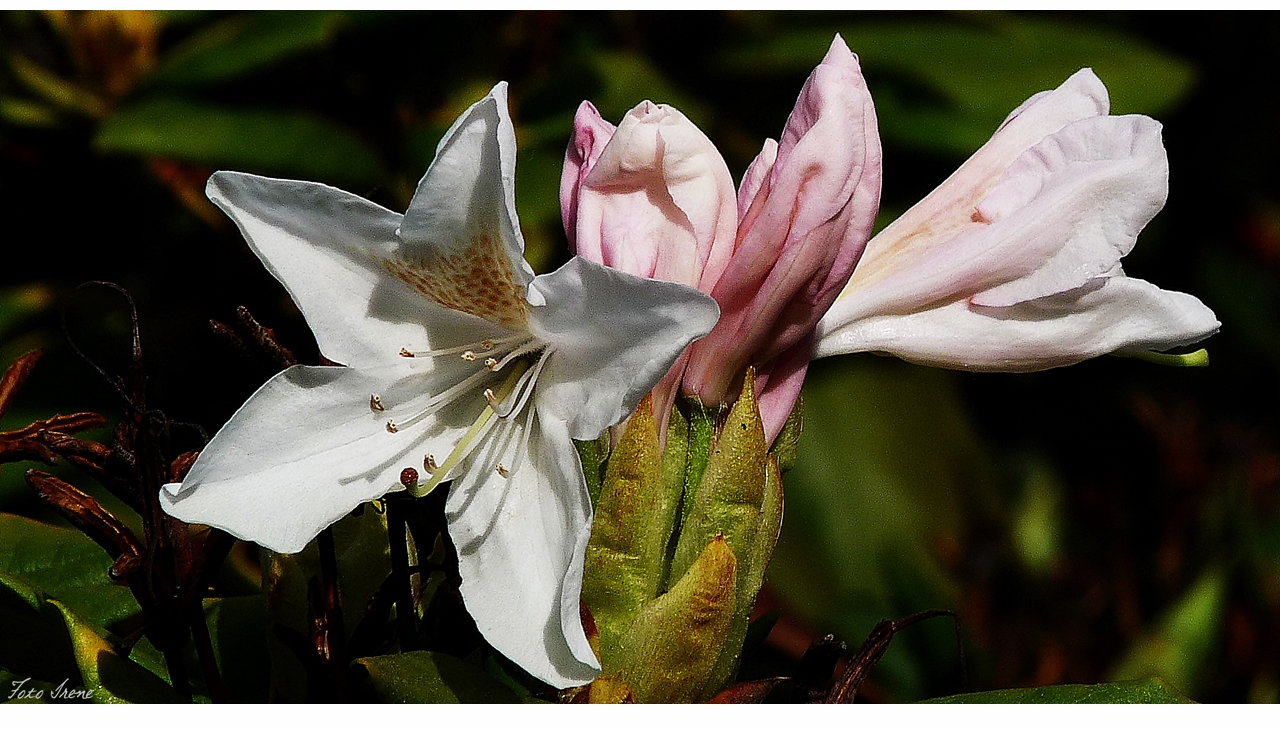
<point>204,651</point>
<point>397,526</point>
<point>336,640</point>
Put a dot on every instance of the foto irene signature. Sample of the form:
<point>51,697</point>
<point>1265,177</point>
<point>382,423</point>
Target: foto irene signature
<point>59,692</point>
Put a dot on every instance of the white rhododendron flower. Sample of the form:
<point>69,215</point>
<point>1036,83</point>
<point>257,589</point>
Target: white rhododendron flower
<point>460,365</point>
<point>1013,263</point>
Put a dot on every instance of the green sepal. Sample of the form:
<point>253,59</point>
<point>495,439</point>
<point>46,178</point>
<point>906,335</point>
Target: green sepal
<point>702,429</point>
<point>666,657</point>
<point>634,517</point>
<point>425,677</point>
<point>1143,691</point>
<point>1198,358</point>
<point>675,463</point>
<point>750,579</point>
<point>786,445</point>
<point>594,455</point>
<point>727,501</point>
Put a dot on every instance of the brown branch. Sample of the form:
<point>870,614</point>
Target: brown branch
<point>265,338</point>
<point>872,650</point>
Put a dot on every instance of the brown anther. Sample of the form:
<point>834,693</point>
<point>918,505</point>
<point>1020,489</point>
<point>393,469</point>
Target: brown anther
<point>491,363</point>
<point>375,404</point>
<point>469,356</point>
<point>391,427</point>
<point>429,463</point>
<point>502,471</point>
<point>409,477</point>
<point>405,353</point>
<point>487,345</point>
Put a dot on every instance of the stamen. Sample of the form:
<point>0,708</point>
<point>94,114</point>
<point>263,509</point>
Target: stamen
<point>524,439</point>
<point>490,363</point>
<point>392,427</point>
<point>436,402</point>
<point>429,463</point>
<point>493,401</point>
<point>524,387</point>
<point>375,404</point>
<point>469,356</point>
<point>473,437</point>
<point>530,346</point>
<point>485,345</point>
<point>502,471</point>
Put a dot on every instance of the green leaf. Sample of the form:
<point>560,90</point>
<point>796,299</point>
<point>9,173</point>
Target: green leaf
<point>24,689</point>
<point>19,303</point>
<point>55,89</point>
<point>424,677</point>
<point>1146,691</point>
<point>634,518</point>
<point>110,677</point>
<point>66,565</point>
<point>1180,646</point>
<point>27,113</point>
<point>268,141</point>
<point>35,643</point>
<point>238,632</point>
<point>244,43</point>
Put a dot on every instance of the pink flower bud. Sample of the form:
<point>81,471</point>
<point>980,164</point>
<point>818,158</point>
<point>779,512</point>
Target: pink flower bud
<point>652,197</point>
<point>806,206</point>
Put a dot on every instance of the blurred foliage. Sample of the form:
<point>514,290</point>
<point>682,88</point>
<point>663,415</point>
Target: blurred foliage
<point>1107,521</point>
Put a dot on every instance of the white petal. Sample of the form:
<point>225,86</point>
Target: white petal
<point>613,335</point>
<point>327,246</point>
<point>1065,212</point>
<point>1086,191</point>
<point>468,192</point>
<point>307,448</point>
<point>1113,314</point>
<point>928,254</point>
<point>521,541</point>
<point>1079,97</point>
